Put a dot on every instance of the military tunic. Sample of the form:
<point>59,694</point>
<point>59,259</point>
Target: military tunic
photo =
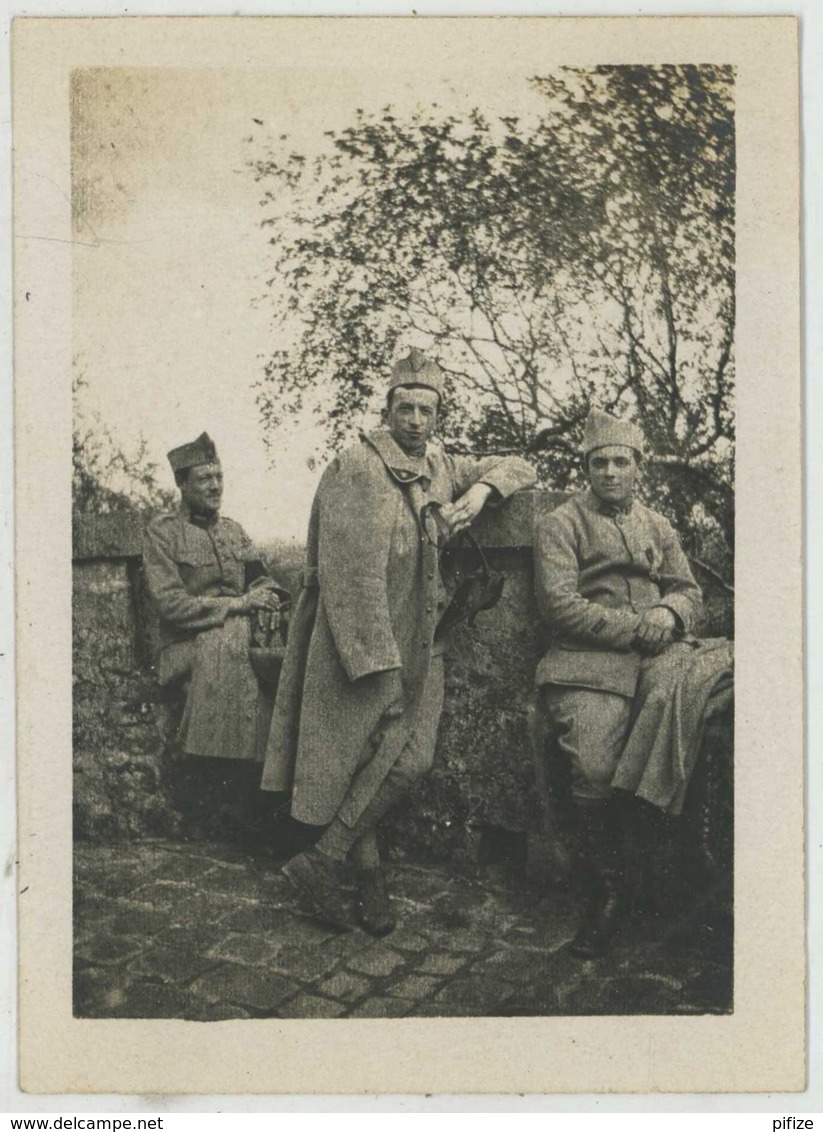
<point>373,598</point>
<point>624,719</point>
<point>194,570</point>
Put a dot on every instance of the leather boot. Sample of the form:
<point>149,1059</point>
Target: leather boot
<point>602,871</point>
<point>374,908</point>
<point>318,879</point>
<point>651,851</point>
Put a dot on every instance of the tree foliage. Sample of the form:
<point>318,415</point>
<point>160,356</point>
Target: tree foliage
<point>105,477</point>
<point>581,256</point>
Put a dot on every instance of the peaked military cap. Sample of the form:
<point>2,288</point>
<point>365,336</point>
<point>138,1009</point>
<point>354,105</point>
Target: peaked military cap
<point>602,430</point>
<point>200,451</point>
<point>417,369</point>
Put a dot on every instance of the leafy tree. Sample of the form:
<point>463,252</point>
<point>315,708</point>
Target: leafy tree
<point>105,478</point>
<point>583,256</point>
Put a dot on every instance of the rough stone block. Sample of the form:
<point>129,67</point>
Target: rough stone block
<point>376,961</point>
<point>245,986</point>
<point>312,1006</point>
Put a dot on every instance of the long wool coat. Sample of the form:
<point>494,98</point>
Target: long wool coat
<point>371,601</point>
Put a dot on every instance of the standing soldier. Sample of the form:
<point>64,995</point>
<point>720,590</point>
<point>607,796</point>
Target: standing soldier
<point>625,685</point>
<point>207,581</point>
<point>360,696</point>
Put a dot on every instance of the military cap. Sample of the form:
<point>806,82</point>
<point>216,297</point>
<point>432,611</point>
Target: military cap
<point>417,369</point>
<point>602,430</point>
<point>200,451</point>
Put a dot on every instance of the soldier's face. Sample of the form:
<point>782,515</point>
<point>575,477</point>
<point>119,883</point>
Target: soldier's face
<point>203,488</point>
<point>613,473</point>
<point>412,417</point>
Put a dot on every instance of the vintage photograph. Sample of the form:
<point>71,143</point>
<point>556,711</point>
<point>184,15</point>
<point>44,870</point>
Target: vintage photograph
<point>403,522</point>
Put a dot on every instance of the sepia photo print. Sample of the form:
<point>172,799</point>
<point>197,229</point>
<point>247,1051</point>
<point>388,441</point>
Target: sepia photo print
<point>404,500</point>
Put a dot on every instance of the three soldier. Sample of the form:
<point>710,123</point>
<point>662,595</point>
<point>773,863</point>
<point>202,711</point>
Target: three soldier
<point>361,690</point>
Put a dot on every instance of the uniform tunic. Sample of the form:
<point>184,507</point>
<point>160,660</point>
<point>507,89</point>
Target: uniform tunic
<point>194,570</point>
<point>624,719</point>
<point>373,598</point>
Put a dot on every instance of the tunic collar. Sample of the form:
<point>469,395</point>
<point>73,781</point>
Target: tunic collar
<point>604,508</point>
<point>205,522</point>
<point>403,467</point>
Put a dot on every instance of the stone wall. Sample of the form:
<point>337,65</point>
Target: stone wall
<point>119,773</point>
<point>481,800</point>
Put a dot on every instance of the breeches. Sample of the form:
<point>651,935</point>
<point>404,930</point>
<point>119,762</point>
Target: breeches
<point>592,728</point>
<point>411,762</point>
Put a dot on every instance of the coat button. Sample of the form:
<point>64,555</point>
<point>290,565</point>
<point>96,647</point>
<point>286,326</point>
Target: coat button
<point>431,575</point>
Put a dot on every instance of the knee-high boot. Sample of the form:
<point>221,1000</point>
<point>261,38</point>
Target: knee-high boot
<point>602,872</point>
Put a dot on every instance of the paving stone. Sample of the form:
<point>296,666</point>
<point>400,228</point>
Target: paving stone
<point>94,989</point>
<point>440,963</point>
<point>234,881</point>
<point>184,900</point>
<point>473,993</point>
<point>415,986</point>
<point>512,965</point>
<point>138,920</point>
<point>549,934</point>
<point>636,995</point>
<point>469,940</point>
<point>433,1010</point>
<point>255,950</point>
<point>101,858</point>
<point>311,1006</point>
<point>195,937</point>
<point>304,963</point>
<point>211,933</point>
<point>197,1011</point>
<point>175,866</point>
<point>286,926</point>
<point>343,985</point>
<point>376,961</point>
<point>94,906</point>
<point>170,965</point>
<point>121,881</point>
<point>406,940</point>
<point>709,992</point>
<point>245,986</point>
<point>105,950</point>
<point>144,998</point>
<point>382,1007</point>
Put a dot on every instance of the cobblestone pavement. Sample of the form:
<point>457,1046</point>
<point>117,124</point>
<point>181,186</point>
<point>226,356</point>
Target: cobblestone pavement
<point>205,932</point>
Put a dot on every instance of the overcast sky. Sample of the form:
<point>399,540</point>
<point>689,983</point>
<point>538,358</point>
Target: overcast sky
<point>171,259</point>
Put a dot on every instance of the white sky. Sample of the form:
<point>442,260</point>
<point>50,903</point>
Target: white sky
<point>166,330</point>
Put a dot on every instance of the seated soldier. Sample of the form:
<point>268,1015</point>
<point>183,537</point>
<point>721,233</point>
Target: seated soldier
<point>625,686</point>
<point>207,581</point>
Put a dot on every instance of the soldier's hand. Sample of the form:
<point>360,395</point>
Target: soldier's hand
<point>257,600</point>
<point>464,511</point>
<point>656,630</point>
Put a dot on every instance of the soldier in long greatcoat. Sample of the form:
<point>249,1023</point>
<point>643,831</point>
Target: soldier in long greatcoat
<point>361,691</point>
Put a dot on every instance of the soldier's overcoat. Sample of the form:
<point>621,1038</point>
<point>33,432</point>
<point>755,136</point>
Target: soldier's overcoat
<point>371,601</point>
